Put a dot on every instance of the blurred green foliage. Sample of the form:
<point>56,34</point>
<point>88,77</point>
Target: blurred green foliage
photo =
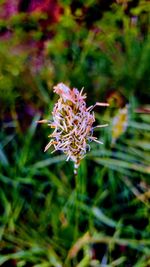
<point>48,217</point>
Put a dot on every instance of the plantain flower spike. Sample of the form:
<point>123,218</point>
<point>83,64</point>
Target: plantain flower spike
<point>72,123</point>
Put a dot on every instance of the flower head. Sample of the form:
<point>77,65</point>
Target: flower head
<point>72,124</point>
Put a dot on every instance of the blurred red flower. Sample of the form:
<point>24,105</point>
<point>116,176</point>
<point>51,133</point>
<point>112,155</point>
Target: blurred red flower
<point>49,7</point>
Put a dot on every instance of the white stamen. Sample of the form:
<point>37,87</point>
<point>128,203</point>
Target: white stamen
<point>100,126</point>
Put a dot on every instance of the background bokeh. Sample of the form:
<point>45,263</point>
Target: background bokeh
<point>48,217</point>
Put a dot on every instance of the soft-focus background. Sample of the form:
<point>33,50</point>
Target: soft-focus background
<point>49,218</point>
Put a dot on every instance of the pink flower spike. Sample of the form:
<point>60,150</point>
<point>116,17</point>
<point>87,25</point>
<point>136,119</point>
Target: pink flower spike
<point>73,124</point>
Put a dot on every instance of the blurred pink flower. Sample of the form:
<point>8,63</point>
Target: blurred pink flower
<point>9,8</point>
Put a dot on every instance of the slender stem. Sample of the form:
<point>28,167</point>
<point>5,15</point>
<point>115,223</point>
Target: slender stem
<point>76,205</point>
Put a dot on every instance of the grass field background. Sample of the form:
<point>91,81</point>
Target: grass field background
<point>49,217</point>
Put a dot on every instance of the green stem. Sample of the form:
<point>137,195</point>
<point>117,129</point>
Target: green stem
<point>76,207</point>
